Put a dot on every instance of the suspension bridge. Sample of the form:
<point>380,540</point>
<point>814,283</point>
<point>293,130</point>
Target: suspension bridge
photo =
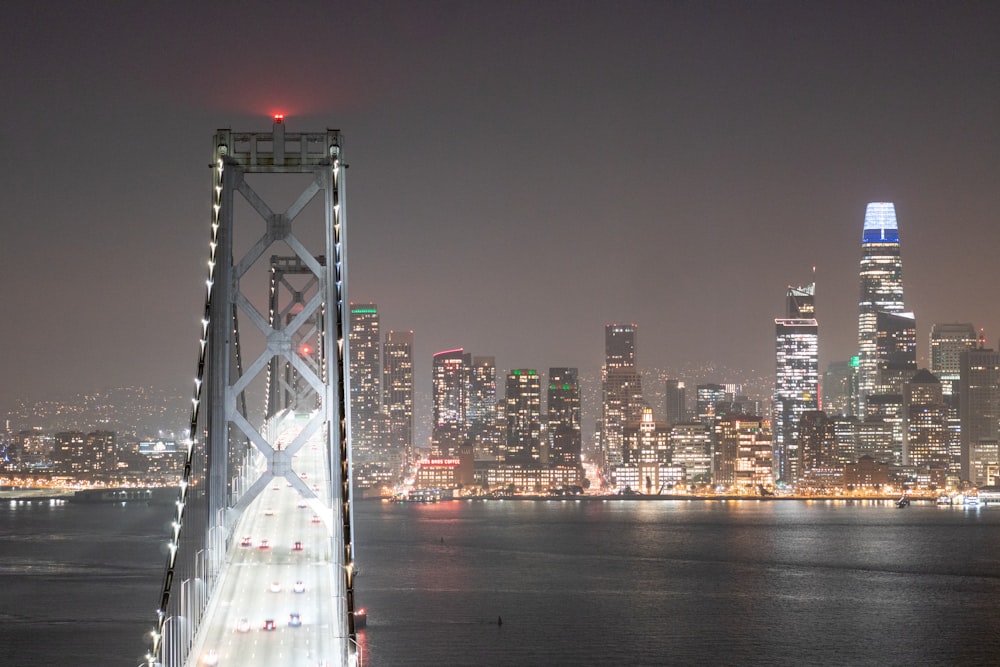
<point>260,564</point>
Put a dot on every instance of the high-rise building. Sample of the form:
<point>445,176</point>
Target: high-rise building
<point>450,377</point>
<point>743,454</point>
<point>523,401</point>
<point>365,344</point>
<point>482,418</point>
<point>647,440</point>
<point>796,388</point>
<point>925,427</point>
<point>979,406</point>
<point>563,417</point>
<point>397,395</point>
<point>881,289</point>
<point>896,351</point>
<point>708,397</point>
<point>947,342</point>
<point>691,445</point>
<point>622,389</point>
<point>819,461</point>
<point>676,401</point>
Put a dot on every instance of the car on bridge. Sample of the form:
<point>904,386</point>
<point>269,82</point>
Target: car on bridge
<point>243,625</point>
<point>294,620</point>
<point>247,541</point>
<point>299,587</point>
<point>269,625</point>
<point>275,586</point>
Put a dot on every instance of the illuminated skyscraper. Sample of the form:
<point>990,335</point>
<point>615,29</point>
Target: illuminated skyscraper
<point>924,422</point>
<point>365,344</point>
<point>482,417</point>
<point>622,389</point>
<point>563,408</point>
<point>796,388</point>
<point>524,416</point>
<point>397,397</point>
<point>450,377</point>
<point>881,289</point>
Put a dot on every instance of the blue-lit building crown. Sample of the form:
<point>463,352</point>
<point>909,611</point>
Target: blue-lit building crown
<point>880,223</point>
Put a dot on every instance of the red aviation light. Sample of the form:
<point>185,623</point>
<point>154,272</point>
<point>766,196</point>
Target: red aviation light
<point>279,117</point>
<point>305,350</point>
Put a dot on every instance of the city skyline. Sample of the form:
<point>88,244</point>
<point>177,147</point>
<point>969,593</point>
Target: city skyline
<point>729,158</point>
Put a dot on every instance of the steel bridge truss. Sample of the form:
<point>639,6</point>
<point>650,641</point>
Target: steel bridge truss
<point>301,367</point>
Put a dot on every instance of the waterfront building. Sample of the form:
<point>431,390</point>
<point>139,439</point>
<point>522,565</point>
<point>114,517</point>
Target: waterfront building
<point>647,441</point>
<point>818,450</point>
<point>796,388</point>
<point>743,456</point>
<point>691,448</point>
<point>868,474</point>
<point>450,373</point>
<point>398,396</point>
<point>979,407</point>
<point>881,276</point>
<point>676,403</point>
<point>364,346</point>
<point>523,411</point>
<point>563,417</point>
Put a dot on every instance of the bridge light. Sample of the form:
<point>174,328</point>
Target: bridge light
<point>305,350</point>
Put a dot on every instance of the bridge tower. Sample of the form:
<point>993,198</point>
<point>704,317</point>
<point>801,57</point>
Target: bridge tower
<point>272,356</point>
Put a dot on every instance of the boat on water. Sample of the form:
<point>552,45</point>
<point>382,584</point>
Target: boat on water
<point>904,501</point>
<point>944,500</point>
<point>972,501</point>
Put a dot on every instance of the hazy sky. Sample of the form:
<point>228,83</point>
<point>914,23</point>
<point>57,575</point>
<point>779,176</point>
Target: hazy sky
<point>521,173</point>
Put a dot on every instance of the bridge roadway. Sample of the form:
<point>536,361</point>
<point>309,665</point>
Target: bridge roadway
<point>259,582</point>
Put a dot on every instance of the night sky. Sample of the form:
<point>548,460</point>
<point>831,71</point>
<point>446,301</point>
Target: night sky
<point>521,173</point>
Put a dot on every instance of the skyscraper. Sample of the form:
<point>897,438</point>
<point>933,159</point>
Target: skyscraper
<point>482,417</point>
<point>676,401</point>
<point>450,377</point>
<point>947,341</point>
<point>796,388</point>
<point>563,413</point>
<point>881,289</point>
<point>622,388</point>
<point>397,397</point>
<point>365,344</point>
<point>523,401</point>
<point>924,422</point>
<point>979,406</point>
<point>895,350</point>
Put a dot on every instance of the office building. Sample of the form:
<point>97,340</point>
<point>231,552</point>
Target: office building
<point>881,276</point>
<point>676,403</point>
<point>691,448</point>
<point>979,407</point>
<point>895,350</point>
<point>796,377</point>
<point>622,400</point>
<point>563,417</point>
<point>925,427</point>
